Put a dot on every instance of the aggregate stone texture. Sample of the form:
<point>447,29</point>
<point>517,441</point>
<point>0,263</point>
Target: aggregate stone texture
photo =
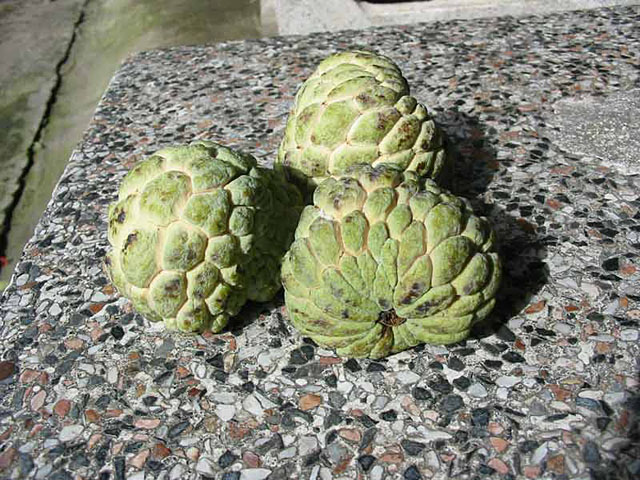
<point>548,389</point>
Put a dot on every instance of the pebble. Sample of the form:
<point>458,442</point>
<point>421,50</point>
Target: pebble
<point>590,453</point>
<point>7,369</point>
<point>412,448</point>
<point>412,473</point>
<point>178,470</point>
<point>225,412</point>
<point>539,454</point>
<point>227,458</point>
<point>407,377</point>
<point>563,328</point>
<point>254,473</point>
<point>615,443</point>
<point>309,401</point>
<point>451,403</point>
<point>70,433</point>
<point>206,466</point>
<point>507,381</point>
<point>377,472</point>
<point>477,390</point>
<point>252,405</point>
<point>287,453</point>
<point>629,335</point>
<point>499,466</point>
<point>337,453</point>
<point>307,444</point>
<point>366,461</point>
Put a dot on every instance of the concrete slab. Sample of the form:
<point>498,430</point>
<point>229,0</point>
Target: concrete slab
<point>308,16</point>
<point>604,127</point>
<point>34,36</point>
<point>438,10</point>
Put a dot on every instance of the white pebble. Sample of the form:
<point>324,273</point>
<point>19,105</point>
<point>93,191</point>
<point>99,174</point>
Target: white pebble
<point>367,387</point>
<point>44,471</point>
<point>502,393</point>
<point>287,453</point>
<point>307,445</point>
<point>254,474</point>
<point>224,397</point>
<point>325,474</point>
<point>112,374</point>
<point>615,443</point>
<point>508,381</point>
<point>205,466</point>
<point>380,402</point>
<point>539,454</point>
<point>592,394</point>
<point>70,432</point>
<point>345,387</point>
<point>563,328</point>
<point>377,472</point>
<point>629,335</point>
<point>477,390</point>
<point>252,405</point>
<point>407,377</point>
<point>225,412</point>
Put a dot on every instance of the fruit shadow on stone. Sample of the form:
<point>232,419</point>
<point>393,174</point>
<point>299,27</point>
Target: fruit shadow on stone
<point>479,177</point>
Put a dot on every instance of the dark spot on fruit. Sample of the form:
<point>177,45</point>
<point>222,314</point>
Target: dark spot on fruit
<point>468,288</point>
<point>121,217</point>
<point>424,308</point>
<point>364,98</point>
<point>172,287</point>
<point>414,292</point>
<point>131,239</point>
<point>389,318</point>
<point>345,314</point>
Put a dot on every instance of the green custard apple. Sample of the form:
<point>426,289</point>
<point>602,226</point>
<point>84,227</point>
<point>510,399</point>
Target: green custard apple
<point>384,260</point>
<point>355,108</point>
<point>198,230</point>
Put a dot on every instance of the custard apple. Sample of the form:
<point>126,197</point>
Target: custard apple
<point>384,260</point>
<point>356,108</point>
<point>196,231</point>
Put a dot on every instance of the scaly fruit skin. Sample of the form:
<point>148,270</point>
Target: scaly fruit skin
<point>196,231</point>
<point>384,260</point>
<point>356,108</point>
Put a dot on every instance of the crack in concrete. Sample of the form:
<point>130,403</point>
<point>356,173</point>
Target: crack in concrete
<point>31,150</point>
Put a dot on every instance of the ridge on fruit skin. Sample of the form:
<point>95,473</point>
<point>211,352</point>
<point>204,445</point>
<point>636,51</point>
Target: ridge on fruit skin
<point>356,108</point>
<point>198,230</point>
<point>384,260</point>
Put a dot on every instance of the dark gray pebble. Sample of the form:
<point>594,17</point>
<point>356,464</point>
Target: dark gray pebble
<point>366,462</point>
<point>451,403</point>
<point>227,458</point>
<point>412,473</point>
<point>411,447</point>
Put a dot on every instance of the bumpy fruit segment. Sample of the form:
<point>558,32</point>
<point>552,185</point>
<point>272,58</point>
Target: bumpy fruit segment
<point>384,260</point>
<point>197,231</point>
<point>355,108</point>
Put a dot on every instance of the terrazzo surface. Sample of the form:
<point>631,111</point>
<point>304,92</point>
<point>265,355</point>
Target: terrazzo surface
<point>549,389</point>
